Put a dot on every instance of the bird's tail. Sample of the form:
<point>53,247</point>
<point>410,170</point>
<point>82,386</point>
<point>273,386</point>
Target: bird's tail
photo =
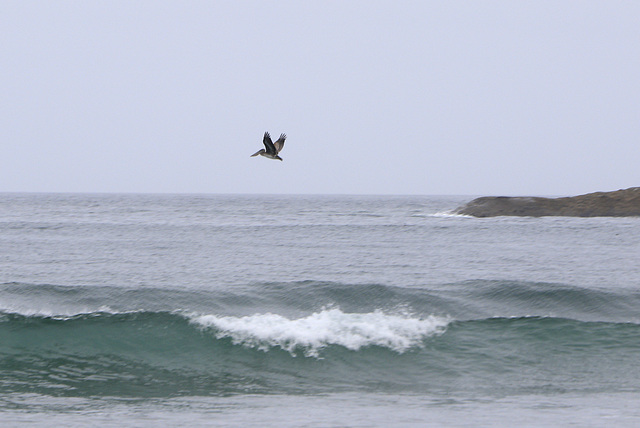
<point>255,154</point>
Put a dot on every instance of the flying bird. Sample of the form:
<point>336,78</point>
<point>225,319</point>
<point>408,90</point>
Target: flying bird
<point>271,149</point>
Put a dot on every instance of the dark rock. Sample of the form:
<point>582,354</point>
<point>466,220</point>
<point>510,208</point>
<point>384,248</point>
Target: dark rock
<point>620,203</point>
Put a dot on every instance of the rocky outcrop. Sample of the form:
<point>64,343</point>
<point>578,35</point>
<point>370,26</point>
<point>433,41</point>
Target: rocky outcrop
<point>620,203</point>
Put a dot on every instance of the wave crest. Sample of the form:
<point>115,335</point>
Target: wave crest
<point>327,327</point>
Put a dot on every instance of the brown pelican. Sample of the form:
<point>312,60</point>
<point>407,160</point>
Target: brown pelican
<point>272,149</point>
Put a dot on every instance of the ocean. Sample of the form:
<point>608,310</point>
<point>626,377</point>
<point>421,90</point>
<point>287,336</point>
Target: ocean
<point>313,311</point>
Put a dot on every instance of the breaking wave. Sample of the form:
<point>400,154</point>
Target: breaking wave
<point>491,337</point>
<point>352,331</point>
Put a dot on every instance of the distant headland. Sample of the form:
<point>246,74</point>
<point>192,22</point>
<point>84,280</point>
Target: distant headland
<point>619,203</point>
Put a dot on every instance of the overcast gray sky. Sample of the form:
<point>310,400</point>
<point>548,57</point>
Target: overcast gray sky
<point>376,97</point>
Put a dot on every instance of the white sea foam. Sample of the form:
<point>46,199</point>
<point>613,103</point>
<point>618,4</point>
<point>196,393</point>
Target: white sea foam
<point>324,328</point>
<point>449,214</point>
<point>61,313</point>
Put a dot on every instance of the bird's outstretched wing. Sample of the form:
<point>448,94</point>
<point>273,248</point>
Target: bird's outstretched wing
<point>280,143</point>
<point>268,144</point>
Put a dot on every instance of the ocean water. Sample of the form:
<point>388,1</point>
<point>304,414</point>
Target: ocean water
<point>320,311</point>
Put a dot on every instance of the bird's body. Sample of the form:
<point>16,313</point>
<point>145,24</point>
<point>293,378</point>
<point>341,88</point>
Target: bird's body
<point>271,149</point>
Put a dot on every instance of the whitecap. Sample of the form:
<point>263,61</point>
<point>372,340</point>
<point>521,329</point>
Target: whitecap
<point>321,329</point>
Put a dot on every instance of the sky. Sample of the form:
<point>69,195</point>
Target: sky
<point>376,97</point>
